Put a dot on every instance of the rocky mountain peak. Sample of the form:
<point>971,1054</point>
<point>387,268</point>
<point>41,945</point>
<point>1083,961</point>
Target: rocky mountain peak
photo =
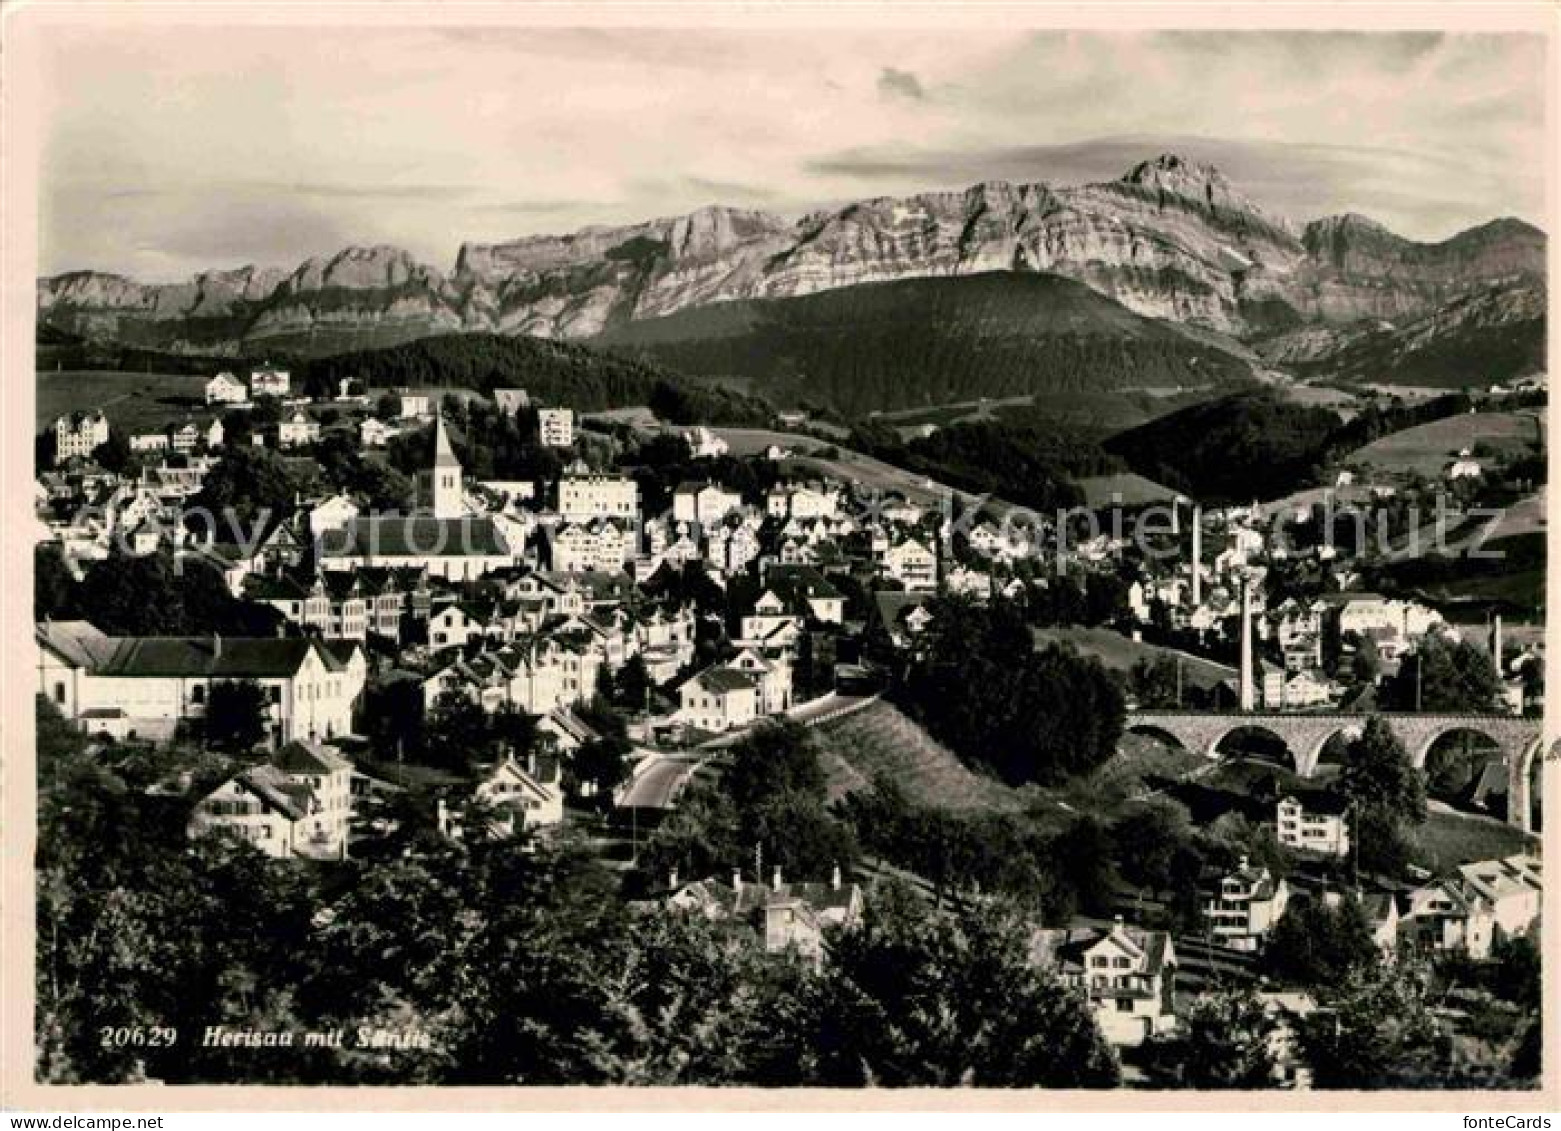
<point>1183,177</point>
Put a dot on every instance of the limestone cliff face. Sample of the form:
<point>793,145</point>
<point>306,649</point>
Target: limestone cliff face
<point>1171,239</point>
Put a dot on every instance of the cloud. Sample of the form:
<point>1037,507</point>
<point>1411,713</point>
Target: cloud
<point>894,83</point>
<point>176,150</point>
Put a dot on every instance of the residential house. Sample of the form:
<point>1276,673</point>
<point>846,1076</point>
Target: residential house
<point>1127,974</point>
<point>912,565</point>
<point>600,545</point>
<point>556,427</point>
<point>529,796</point>
<point>705,444</point>
<point>583,496</point>
<point>298,430</point>
<point>1448,915</point>
<point>772,675</point>
<point>1314,821</point>
<point>703,503</point>
<point>269,381</point>
<point>511,401</point>
<point>719,698</point>
<point>1510,887</point>
<point>1242,906</point>
<point>784,916</point>
<point>225,388</point>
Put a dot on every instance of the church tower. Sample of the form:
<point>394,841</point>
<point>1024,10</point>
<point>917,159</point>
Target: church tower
<point>444,477</point>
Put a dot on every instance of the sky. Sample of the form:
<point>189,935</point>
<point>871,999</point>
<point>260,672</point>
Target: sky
<point>168,153</point>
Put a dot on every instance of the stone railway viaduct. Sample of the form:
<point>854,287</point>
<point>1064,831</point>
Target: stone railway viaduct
<point>1517,738</point>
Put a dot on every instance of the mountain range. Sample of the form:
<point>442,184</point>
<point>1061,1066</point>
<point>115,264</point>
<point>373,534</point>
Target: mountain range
<point>1170,240</point>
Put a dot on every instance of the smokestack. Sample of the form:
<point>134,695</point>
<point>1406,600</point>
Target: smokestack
<point>777,883</point>
<point>1197,555</point>
<point>216,646</point>
<point>834,879</point>
<point>737,880</point>
<point>672,879</point>
<point>1496,644</point>
<point>1246,676</point>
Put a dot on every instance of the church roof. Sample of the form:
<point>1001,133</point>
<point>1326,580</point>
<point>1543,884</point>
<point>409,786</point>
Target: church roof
<point>444,454</point>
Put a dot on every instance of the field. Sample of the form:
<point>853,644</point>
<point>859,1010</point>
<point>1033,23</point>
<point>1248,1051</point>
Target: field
<point>1427,448</point>
<point>132,401</point>
<point>1120,653</point>
<point>883,740</point>
<point>1128,488</point>
<point>1448,839</point>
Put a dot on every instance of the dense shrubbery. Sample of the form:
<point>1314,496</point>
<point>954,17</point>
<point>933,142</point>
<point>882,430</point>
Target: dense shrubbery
<point>982,689</point>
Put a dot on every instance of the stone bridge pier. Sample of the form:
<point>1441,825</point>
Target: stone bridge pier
<point>1305,735</point>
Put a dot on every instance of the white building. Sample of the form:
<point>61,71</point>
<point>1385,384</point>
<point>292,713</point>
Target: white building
<point>78,434</point>
<point>719,698</point>
<point>269,381</point>
<point>1314,822</point>
<point>705,444</point>
<point>704,503</point>
<point>297,804</point>
<point>912,565</point>
<point>556,426</point>
<point>297,430</point>
<point>225,388</point>
<point>148,685</point>
<point>603,545</point>
<point>1127,974</point>
<point>584,496</point>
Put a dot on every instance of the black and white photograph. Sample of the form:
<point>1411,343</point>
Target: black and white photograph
<point>855,551</point>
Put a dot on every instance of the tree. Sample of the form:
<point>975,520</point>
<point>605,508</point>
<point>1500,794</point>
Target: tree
<point>236,715</point>
<point>916,999</point>
<point>1375,1030</point>
<point>1443,675</point>
<point>632,685</point>
<point>456,733</point>
<point>1378,775</point>
<point>1225,1042</point>
<point>54,588</point>
<point>1147,838</point>
<point>114,453</point>
<point>1316,944</point>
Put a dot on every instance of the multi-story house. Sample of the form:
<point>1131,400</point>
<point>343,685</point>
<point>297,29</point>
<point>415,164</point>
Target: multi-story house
<point>719,698</point>
<point>1446,915</point>
<point>1128,975</point>
<point>78,434</point>
<point>269,381</point>
<point>190,435</point>
<point>602,545</point>
<point>299,803</point>
<point>297,430</point>
<point>1241,907</point>
<point>1511,887</point>
<point>784,916</point>
<point>583,496</point>
<point>912,564</point>
<point>703,503</point>
<point>1314,821</point>
<point>225,388</point>
<point>556,426</point>
<point>773,676</point>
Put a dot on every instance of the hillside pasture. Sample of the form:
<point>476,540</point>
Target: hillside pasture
<point>133,402</point>
<point>1426,449</point>
<point>1121,653</point>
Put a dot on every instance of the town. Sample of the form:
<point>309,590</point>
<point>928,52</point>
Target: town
<point>753,678</point>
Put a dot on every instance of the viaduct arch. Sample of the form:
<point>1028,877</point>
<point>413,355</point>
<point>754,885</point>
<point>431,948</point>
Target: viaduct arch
<point>1517,738</point>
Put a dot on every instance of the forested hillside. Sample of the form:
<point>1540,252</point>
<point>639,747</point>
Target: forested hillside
<point>929,341</point>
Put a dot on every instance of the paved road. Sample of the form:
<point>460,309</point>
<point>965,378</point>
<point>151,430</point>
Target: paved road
<point>659,786</point>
